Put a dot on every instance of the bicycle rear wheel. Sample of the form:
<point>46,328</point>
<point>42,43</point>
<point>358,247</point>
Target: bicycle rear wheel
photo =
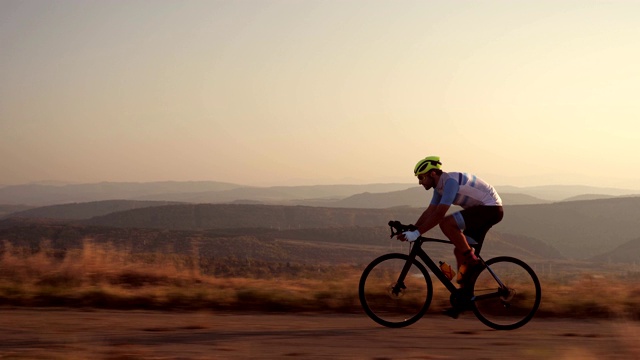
<point>394,302</point>
<point>510,306</point>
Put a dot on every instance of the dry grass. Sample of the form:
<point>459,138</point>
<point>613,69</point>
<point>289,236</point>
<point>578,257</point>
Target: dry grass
<point>105,277</point>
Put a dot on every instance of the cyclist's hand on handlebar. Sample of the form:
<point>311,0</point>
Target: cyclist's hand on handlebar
<point>409,236</point>
<point>404,232</point>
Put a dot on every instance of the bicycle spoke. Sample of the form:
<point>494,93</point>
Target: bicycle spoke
<point>484,294</point>
<point>391,303</point>
<point>510,306</point>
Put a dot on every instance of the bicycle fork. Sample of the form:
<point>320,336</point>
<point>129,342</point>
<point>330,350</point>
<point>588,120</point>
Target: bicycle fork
<point>503,291</point>
<point>400,286</point>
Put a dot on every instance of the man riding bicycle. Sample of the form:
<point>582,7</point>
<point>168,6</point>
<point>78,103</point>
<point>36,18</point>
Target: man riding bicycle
<point>481,204</point>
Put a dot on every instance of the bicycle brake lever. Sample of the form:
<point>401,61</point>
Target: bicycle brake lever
<point>393,233</point>
<point>392,227</point>
<point>396,228</point>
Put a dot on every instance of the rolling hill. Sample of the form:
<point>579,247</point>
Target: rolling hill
<point>628,252</point>
<point>589,197</point>
<point>367,195</point>
<point>336,245</point>
<point>226,216</point>
<point>82,211</point>
<point>415,196</point>
<point>12,209</point>
<point>579,229</point>
<point>563,192</point>
<point>42,195</point>
<point>195,192</point>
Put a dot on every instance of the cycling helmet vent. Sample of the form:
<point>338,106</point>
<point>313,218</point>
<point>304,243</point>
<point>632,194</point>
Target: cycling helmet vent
<point>429,163</point>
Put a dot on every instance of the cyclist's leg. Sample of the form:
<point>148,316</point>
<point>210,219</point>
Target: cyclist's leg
<point>452,227</point>
<point>473,223</point>
<point>479,221</point>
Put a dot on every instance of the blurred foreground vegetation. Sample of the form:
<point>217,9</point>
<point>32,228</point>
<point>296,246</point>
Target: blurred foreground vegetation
<point>103,276</point>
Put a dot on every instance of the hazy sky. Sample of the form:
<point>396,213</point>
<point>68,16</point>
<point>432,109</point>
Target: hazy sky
<point>315,92</point>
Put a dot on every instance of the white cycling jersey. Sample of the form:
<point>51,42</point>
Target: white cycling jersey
<point>465,190</point>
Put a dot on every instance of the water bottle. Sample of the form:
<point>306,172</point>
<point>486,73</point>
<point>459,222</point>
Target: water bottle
<point>447,270</point>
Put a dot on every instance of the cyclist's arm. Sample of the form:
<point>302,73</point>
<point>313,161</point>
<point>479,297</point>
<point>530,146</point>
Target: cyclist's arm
<point>439,206</point>
<point>426,215</point>
<point>431,217</point>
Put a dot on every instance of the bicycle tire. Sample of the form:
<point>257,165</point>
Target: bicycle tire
<point>391,309</point>
<point>509,308</point>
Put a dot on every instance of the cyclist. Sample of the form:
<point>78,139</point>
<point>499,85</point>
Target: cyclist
<point>481,204</point>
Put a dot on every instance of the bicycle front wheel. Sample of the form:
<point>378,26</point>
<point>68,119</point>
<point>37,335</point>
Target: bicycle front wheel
<point>393,301</point>
<point>506,294</point>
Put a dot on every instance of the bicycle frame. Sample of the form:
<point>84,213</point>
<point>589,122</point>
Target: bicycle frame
<point>417,251</point>
<point>479,286</point>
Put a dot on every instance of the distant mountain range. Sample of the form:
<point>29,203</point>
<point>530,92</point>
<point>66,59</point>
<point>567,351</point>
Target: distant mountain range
<point>574,222</point>
<point>366,196</point>
<point>44,194</point>
<point>414,197</point>
<point>567,192</point>
<point>81,211</point>
<point>577,229</point>
<point>191,192</point>
<point>628,252</point>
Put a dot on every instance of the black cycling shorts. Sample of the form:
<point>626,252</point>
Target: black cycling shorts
<point>477,222</point>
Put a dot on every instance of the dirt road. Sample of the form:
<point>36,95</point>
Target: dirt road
<point>98,334</point>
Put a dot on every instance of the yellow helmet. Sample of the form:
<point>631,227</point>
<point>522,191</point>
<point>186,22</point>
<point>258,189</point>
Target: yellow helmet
<point>429,163</point>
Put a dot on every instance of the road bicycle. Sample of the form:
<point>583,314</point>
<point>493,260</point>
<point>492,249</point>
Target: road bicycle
<point>396,290</point>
